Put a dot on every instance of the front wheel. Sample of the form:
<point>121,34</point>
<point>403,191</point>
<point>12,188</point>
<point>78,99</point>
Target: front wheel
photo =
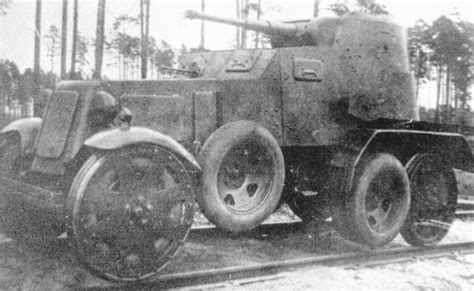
<point>242,176</point>
<point>434,198</point>
<point>130,211</point>
<point>375,208</point>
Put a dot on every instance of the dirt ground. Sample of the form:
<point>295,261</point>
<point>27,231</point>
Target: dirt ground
<point>455,272</point>
<point>54,267</point>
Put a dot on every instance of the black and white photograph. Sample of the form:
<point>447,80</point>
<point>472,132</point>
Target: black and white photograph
<point>237,145</point>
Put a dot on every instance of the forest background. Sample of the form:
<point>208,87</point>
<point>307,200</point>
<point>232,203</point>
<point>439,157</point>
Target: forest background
<point>119,41</point>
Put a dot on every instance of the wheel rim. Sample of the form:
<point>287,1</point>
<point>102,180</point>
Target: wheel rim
<point>132,213</point>
<point>384,200</point>
<point>433,200</point>
<point>245,177</point>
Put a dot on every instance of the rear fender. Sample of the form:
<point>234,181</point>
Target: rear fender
<point>28,128</point>
<point>118,137</point>
<point>453,148</point>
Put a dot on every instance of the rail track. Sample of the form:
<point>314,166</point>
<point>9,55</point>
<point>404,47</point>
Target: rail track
<point>199,279</point>
<point>193,271</point>
<point>221,277</point>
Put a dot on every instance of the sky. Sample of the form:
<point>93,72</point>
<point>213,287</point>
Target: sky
<point>168,23</point>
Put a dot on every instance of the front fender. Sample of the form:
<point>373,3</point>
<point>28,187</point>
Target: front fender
<point>116,138</point>
<point>28,128</point>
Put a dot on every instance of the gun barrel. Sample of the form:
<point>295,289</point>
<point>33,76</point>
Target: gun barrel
<point>267,27</point>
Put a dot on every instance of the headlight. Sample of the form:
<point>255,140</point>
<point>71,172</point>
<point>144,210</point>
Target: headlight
<point>104,108</point>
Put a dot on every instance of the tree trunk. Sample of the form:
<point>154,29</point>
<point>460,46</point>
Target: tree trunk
<point>448,95</point>
<point>144,33</point>
<point>245,15</point>
<point>203,9</point>
<point>125,67</point>
<point>456,104</point>
<point>99,40</point>
<point>417,89</point>
<point>37,89</point>
<point>142,40</point>
<point>316,8</point>
<point>64,40</point>
<point>237,29</point>
<point>147,33</point>
<point>259,12</point>
<point>53,53</point>
<point>438,95</point>
<point>464,113</point>
<point>74,39</point>
<point>37,38</point>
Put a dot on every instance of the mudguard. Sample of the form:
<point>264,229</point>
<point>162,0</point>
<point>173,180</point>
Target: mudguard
<point>28,128</point>
<point>118,137</point>
<point>403,144</point>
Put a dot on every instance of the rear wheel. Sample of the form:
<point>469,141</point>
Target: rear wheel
<point>242,176</point>
<point>377,204</point>
<point>130,211</point>
<point>434,197</point>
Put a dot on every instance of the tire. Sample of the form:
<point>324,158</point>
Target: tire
<point>374,210</point>
<point>242,178</point>
<point>129,211</point>
<point>434,196</point>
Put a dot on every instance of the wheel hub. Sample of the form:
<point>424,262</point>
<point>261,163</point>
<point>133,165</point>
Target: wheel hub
<point>245,177</point>
<point>133,214</point>
<point>381,202</point>
<point>378,211</point>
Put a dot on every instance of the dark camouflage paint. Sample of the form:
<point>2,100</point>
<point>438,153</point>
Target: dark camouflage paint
<point>354,67</point>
